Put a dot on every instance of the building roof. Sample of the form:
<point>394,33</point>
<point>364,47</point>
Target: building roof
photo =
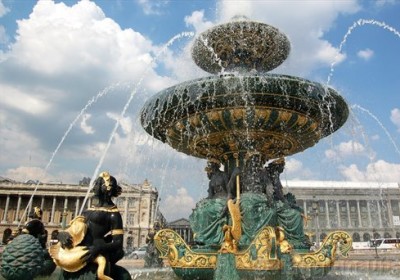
<point>179,222</point>
<point>340,184</point>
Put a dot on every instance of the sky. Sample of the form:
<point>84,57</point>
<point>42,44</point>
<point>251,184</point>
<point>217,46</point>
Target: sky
<point>74,76</point>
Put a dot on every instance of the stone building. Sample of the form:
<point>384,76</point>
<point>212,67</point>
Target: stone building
<point>62,202</point>
<point>182,227</point>
<point>364,209</point>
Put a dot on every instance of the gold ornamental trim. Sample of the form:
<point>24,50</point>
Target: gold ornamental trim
<point>326,255</point>
<point>117,231</point>
<point>172,247</point>
<point>266,247</point>
<point>104,209</point>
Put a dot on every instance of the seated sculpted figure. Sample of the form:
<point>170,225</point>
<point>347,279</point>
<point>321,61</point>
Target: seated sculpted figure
<point>256,202</point>
<point>92,245</point>
<point>290,216</point>
<point>210,214</point>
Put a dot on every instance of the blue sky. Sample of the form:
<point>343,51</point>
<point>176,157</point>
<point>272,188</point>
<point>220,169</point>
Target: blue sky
<point>70,69</point>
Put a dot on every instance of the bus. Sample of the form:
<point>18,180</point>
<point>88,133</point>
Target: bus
<point>385,243</point>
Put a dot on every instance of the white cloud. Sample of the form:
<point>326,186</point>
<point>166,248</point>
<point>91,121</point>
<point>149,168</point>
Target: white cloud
<point>375,137</point>
<point>3,35</point>
<point>295,169</point>
<point>379,171</point>
<point>197,20</point>
<point>151,7</point>
<point>62,56</point>
<point>3,9</point>
<point>84,125</point>
<point>177,205</point>
<point>365,54</point>
<point>125,123</point>
<point>17,98</point>
<point>25,173</point>
<point>293,165</point>
<point>395,117</point>
<point>101,47</point>
<point>381,3</point>
<point>345,149</point>
<point>309,49</point>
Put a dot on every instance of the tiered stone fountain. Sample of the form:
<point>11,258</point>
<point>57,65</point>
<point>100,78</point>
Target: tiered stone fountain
<point>240,114</point>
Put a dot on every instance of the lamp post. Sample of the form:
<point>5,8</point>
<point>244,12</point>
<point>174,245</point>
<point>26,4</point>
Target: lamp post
<point>315,210</point>
<point>375,243</point>
<point>64,218</point>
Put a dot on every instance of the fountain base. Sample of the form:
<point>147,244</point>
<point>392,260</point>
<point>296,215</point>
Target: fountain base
<point>267,256</point>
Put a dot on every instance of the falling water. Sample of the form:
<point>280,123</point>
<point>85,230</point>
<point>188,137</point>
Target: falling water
<point>96,171</point>
<point>359,22</point>
<point>380,124</point>
<point>94,99</point>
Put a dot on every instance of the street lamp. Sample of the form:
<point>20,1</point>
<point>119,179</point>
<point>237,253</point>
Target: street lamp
<point>315,209</point>
<point>64,218</point>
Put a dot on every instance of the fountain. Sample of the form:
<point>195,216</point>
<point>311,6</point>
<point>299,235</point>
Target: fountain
<point>242,117</point>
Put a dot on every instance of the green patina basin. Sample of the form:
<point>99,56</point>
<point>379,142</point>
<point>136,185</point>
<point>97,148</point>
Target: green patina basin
<point>276,115</point>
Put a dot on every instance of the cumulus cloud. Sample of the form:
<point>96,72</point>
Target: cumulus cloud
<point>395,117</point>
<point>379,171</point>
<point>365,54</point>
<point>295,169</point>
<point>381,3</point>
<point>345,149</point>
<point>62,56</point>
<point>311,50</point>
<point>3,9</point>
<point>84,125</point>
<point>25,173</point>
<point>3,35</point>
<point>170,205</point>
<point>151,7</point>
<point>197,20</point>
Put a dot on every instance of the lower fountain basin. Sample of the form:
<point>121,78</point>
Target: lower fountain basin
<point>277,115</point>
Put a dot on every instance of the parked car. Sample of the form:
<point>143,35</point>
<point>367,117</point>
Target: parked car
<point>139,253</point>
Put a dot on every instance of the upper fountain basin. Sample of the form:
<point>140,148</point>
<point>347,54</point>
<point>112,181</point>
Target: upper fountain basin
<point>276,115</point>
<point>241,46</point>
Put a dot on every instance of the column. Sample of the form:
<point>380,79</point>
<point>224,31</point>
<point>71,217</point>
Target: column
<point>305,207</point>
<point>77,203</point>
<point>390,213</point>
<point>379,214</point>
<point>328,222</point>
<point>16,219</point>
<point>30,202</point>
<point>6,209</point>
<point>53,209</point>
<point>42,204</point>
<point>359,214</point>
<point>125,220</point>
<point>369,213</point>
<point>348,213</point>
<point>338,213</point>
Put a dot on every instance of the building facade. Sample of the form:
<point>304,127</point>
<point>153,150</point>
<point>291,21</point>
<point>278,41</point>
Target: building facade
<point>61,203</point>
<point>365,210</point>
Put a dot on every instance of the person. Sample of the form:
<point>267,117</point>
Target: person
<point>152,257</point>
<point>100,232</point>
<point>35,227</point>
